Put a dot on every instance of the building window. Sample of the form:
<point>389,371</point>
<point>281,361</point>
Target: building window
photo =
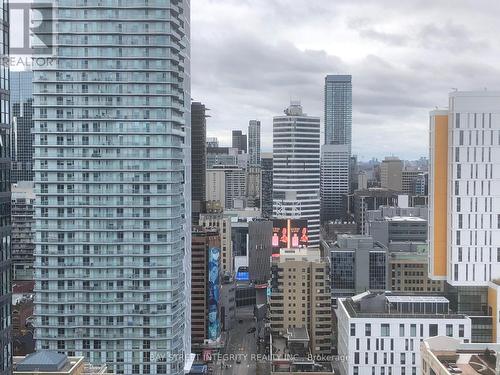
<point>401,330</point>
<point>461,330</point>
<point>353,329</point>
<point>385,330</point>
<point>449,330</point>
<point>368,329</point>
<point>356,358</point>
<point>413,330</point>
<point>403,358</point>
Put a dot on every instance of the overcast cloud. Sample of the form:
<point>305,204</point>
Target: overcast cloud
<point>250,57</point>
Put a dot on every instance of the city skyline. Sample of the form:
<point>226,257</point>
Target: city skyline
<point>399,71</point>
<point>146,228</point>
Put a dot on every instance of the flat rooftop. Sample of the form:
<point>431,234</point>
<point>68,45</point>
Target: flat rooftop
<point>418,299</point>
<point>389,305</point>
<point>449,353</point>
<point>405,218</point>
<point>297,334</point>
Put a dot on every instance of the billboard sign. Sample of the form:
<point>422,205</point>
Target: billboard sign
<point>289,233</point>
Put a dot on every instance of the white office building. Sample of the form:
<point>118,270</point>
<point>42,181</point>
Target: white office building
<point>464,189</point>
<point>112,185</point>
<point>296,168</point>
<point>381,334</point>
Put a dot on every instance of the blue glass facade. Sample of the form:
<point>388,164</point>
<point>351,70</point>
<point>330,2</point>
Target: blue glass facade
<point>21,100</point>
<point>112,182</point>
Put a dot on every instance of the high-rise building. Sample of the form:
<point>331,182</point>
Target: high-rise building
<point>334,181</point>
<point>260,250</point>
<point>239,141</point>
<point>112,183</point>
<point>198,158</point>
<point>267,184</point>
<point>23,231</point>
<point>221,155</point>
<point>228,185</point>
<point>300,297</point>
<point>464,217</point>
<point>5,262</point>
<point>254,186</point>
<point>338,110</point>
<point>353,173</point>
<point>391,173</point>
<point>21,100</point>
<point>205,311</point>
<point>408,177</point>
<point>254,142</point>
<point>223,224</point>
<point>336,166</point>
<point>296,168</point>
<point>464,199</point>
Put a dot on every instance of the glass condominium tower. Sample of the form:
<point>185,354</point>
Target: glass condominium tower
<point>338,110</point>
<point>112,180</point>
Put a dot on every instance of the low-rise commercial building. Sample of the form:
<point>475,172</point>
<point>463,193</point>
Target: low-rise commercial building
<point>358,263</point>
<point>444,355</point>
<point>408,269</point>
<point>46,362</point>
<point>381,333</point>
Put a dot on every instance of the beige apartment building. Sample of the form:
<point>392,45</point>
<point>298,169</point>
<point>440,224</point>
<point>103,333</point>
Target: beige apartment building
<point>300,297</point>
<point>408,269</point>
<point>222,222</point>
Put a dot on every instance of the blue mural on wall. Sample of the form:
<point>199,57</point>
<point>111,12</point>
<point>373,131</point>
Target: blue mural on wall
<point>214,293</point>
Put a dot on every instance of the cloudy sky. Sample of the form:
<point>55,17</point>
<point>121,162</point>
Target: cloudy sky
<point>249,57</point>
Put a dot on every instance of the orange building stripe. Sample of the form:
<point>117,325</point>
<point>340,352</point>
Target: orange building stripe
<point>440,194</point>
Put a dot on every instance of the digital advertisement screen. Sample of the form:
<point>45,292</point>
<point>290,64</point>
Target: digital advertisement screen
<point>242,274</point>
<point>289,233</point>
